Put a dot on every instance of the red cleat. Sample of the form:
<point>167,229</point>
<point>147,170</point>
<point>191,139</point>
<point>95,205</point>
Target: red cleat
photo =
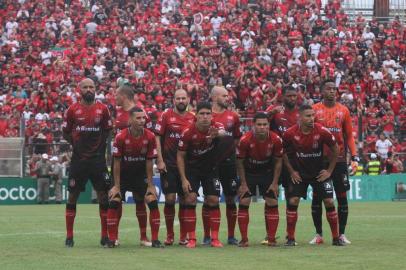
<point>216,243</point>
<point>191,243</point>
<point>169,241</point>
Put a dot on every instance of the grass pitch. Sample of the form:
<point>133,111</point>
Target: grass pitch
<point>32,237</point>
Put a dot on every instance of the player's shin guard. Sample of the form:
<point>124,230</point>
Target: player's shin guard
<point>291,219</point>
<point>70,214</point>
<point>103,207</point>
<point>169,212</point>
<point>231,213</point>
<point>317,212</point>
<point>141,213</point>
<point>333,221</point>
<point>181,217</point>
<point>154,219</point>
<point>215,219</point>
<point>243,221</point>
<point>342,211</point>
<point>206,220</point>
<point>112,220</point>
<point>190,221</point>
<point>272,218</point>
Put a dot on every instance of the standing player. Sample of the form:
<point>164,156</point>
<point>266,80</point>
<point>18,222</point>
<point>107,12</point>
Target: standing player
<point>259,163</point>
<point>336,118</point>
<point>282,118</point>
<point>87,126</point>
<point>125,103</point>
<point>196,161</point>
<point>303,146</point>
<point>227,167</point>
<point>168,131</point>
<point>134,150</point>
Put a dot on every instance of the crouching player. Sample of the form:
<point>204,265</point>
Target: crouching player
<point>133,151</point>
<point>303,156</point>
<point>259,163</point>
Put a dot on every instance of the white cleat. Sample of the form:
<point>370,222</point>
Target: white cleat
<point>145,243</point>
<point>344,239</point>
<point>317,240</point>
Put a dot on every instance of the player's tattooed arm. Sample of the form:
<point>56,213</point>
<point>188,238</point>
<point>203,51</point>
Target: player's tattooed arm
<point>180,158</point>
<point>243,189</point>
<point>151,187</point>
<point>159,160</point>
<point>115,190</point>
<point>295,176</point>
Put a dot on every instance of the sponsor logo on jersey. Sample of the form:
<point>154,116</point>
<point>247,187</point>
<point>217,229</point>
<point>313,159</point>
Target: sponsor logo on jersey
<point>87,129</point>
<point>308,155</point>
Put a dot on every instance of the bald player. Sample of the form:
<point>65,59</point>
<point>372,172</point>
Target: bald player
<point>336,118</point>
<point>168,130</point>
<point>227,162</point>
<point>86,127</point>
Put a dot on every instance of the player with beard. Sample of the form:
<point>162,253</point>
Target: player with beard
<point>86,127</point>
<point>134,149</point>
<point>196,161</point>
<point>336,118</point>
<point>282,118</point>
<point>126,101</point>
<point>259,163</point>
<point>168,130</point>
<point>226,158</point>
<point>303,156</point>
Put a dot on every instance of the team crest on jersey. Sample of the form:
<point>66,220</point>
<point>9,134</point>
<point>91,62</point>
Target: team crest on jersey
<point>98,111</point>
<point>79,111</point>
<point>127,141</point>
<point>145,141</point>
<point>297,138</point>
<point>172,119</point>
<point>229,117</point>
<point>315,144</point>
<point>316,137</point>
<point>194,136</point>
<point>252,145</point>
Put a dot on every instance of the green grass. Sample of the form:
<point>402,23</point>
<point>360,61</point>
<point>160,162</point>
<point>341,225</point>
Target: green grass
<point>32,237</point>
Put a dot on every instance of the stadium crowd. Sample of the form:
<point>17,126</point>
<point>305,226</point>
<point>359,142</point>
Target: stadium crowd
<point>253,48</point>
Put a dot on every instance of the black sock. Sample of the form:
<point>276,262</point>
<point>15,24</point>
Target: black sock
<point>342,212</point>
<point>317,212</point>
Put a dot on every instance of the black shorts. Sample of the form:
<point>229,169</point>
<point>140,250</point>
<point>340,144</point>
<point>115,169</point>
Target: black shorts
<point>82,171</point>
<point>340,178</point>
<point>208,179</point>
<point>263,182</point>
<point>138,186</point>
<point>228,178</point>
<point>284,178</point>
<point>324,189</point>
<point>170,181</point>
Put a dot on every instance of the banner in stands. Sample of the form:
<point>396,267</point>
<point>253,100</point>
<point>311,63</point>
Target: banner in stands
<point>363,188</point>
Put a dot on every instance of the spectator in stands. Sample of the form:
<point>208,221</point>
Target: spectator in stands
<point>383,146</point>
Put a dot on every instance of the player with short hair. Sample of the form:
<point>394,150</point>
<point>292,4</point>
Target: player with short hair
<point>282,118</point>
<point>125,103</point>
<point>303,156</point>
<point>259,163</point>
<point>134,149</point>
<point>168,131</point>
<point>86,127</point>
<point>227,159</point>
<point>196,161</point>
<point>337,119</point>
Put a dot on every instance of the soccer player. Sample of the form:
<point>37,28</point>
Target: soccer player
<point>168,130</point>
<point>282,118</point>
<point>134,149</point>
<point>259,163</point>
<point>125,103</point>
<point>197,166</point>
<point>303,156</point>
<point>227,167</point>
<point>86,127</point>
<point>336,118</point>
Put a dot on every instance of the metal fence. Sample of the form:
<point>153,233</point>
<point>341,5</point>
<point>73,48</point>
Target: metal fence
<point>11,157</point>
